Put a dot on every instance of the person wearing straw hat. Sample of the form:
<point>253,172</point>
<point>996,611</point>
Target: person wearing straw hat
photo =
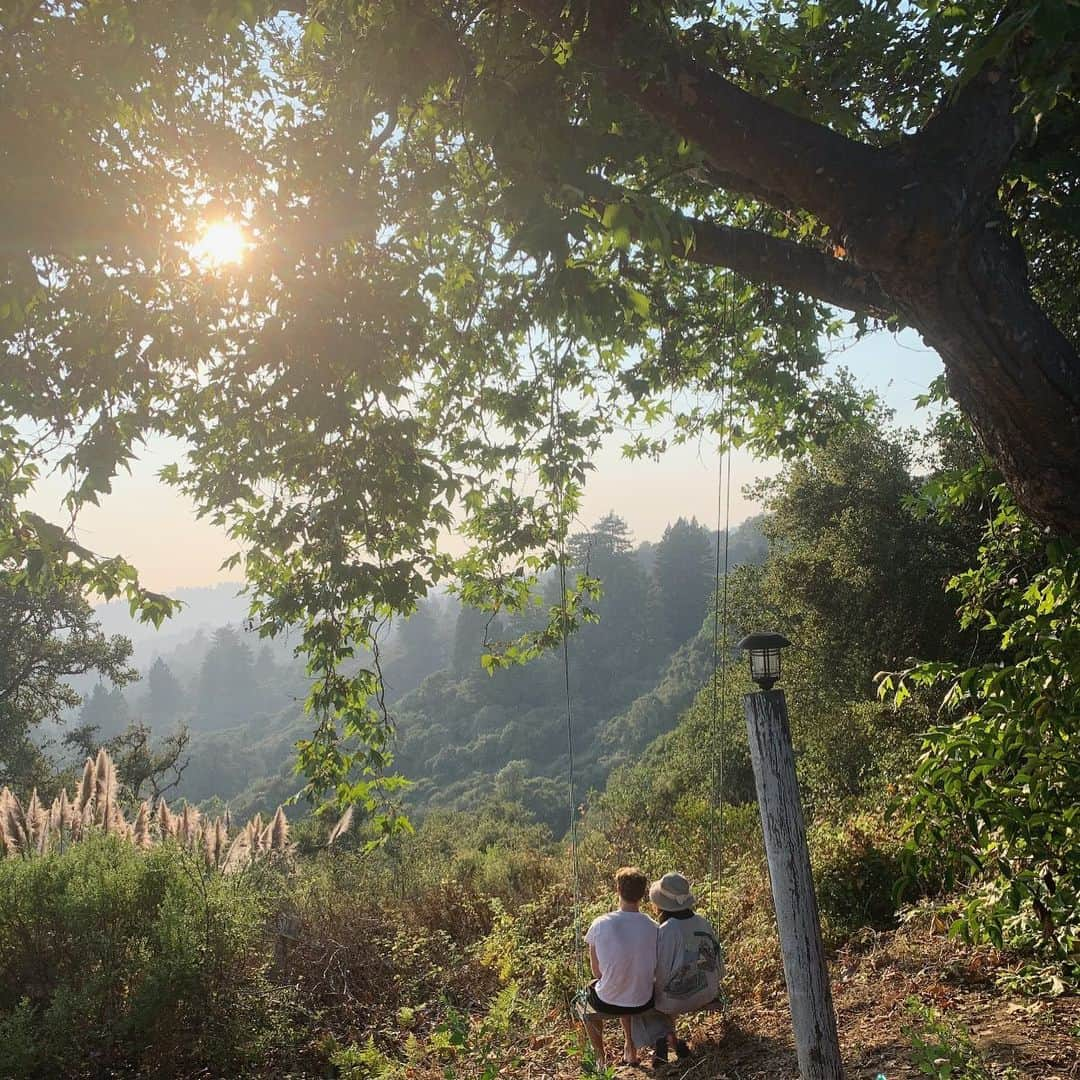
<point>689,967</point>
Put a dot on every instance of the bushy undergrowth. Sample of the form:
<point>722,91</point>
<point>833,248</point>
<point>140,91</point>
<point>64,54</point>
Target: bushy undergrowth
<point>117,960</point>
<point>434,955</point>
<point>120,960</point>
<point>856,867</point>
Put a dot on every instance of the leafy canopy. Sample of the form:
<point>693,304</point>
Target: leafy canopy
<point>471,258</point>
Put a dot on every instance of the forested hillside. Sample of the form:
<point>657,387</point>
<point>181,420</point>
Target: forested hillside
<point>462,732</point>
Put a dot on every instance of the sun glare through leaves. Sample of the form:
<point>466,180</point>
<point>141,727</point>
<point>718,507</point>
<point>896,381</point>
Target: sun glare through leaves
<point>221,243</point>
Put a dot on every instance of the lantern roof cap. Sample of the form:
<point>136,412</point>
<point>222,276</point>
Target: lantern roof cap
<point>763,641</point>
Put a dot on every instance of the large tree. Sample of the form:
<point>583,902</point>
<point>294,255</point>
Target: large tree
<point>484,235</point>
<point>46,638</point>
<point>684,576</point>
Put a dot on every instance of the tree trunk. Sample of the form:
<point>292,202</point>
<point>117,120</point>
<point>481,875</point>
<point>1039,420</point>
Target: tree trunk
<point>1012,372</point>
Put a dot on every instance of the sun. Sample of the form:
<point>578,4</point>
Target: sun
<point>221,243</point>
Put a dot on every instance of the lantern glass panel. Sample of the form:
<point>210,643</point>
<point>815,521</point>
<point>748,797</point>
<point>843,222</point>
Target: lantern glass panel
<point>765,664</point>
<point>772,663</point>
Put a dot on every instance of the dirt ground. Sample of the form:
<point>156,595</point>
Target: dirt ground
<point>1017,1037</point>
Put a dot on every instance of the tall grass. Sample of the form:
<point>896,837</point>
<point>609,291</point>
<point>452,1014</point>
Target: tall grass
<point>98,807</point>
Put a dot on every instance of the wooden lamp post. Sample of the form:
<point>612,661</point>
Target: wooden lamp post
<point>809,995</point>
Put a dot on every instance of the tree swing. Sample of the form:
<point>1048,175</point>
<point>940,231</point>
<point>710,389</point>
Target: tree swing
<point>718,697</point>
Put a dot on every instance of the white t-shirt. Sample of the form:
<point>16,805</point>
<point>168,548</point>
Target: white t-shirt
<point>625,943</point>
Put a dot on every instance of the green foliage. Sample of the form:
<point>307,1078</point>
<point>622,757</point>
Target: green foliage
<point>851,750</point>
<point>856,863</point>
<point>943,1050</point>
<point>533,945</point>
<point>856,575</point>
<point>997,782</point>
<point>362,1062</point>
<point>111,957</point>
<point>46,637</point>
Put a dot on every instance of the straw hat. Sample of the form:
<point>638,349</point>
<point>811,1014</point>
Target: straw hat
<point>672,893</point>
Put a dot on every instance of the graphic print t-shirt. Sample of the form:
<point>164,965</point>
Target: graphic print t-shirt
<point>688,965</point>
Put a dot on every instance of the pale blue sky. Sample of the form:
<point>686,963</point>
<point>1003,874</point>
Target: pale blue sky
<point>157,529</point>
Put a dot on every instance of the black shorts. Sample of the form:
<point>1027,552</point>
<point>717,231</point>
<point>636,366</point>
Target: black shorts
<point>600,1006</point>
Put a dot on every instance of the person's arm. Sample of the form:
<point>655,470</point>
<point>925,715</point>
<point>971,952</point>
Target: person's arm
<point>594,962</point>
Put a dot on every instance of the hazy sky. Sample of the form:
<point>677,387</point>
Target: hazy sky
<point>158,531</point>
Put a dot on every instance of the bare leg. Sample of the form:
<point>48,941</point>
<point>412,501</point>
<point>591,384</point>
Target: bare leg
<point>629,1054</point>
<point>594,1028</point>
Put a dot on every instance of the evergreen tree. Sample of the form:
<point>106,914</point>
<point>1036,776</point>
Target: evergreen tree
<point>105,710</point>
<point>267,676</point>
<point>469,635</point>
<point>165,698</point>
<point>685,577</point>
<point>609,537</point>
<point>418,647</point>
<point>622,645</point>
<point>228,693</point>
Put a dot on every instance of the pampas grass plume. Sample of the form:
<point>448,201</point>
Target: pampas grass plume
<point>189,825</point>
<point>141,834</point>
<point>239,853</point>
<point>342,827</point>
<point>279,832</point>
<point>15,830</point>
<point>102,786</point>
<point>8,841</point>
<point>86,788</point>
<point>215,840</point>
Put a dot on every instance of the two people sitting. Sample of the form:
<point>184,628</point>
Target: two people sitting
<point>646,973</point>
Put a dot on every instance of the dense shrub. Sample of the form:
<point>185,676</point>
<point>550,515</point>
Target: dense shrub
<point>856,863</point>
<point>996,784</point>
<point>361,953</point>
<point>114,959</point>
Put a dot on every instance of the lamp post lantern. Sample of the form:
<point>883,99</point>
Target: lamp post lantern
<point>764,650</point>
<point>813,1020</point>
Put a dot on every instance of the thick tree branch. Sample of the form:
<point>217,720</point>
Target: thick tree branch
<point>783,157</point>
<point>766,259</point>
<point>787,159</point>
<point>974,134</point>
<point>776,261</point>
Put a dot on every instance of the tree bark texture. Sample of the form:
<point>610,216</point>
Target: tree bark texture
<point>919,222</point>
<point>807,978</point>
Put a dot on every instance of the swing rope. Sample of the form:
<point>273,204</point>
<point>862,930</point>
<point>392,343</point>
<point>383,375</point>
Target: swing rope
<point>720,640</point>
<point>556,427</point>
<point>579,943</point>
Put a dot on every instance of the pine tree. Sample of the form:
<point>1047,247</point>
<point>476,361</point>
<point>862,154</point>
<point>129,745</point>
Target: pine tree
<point>684,577</point>
<point>227,688</point>
<point>165,698</point>
<point>106,711</point>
